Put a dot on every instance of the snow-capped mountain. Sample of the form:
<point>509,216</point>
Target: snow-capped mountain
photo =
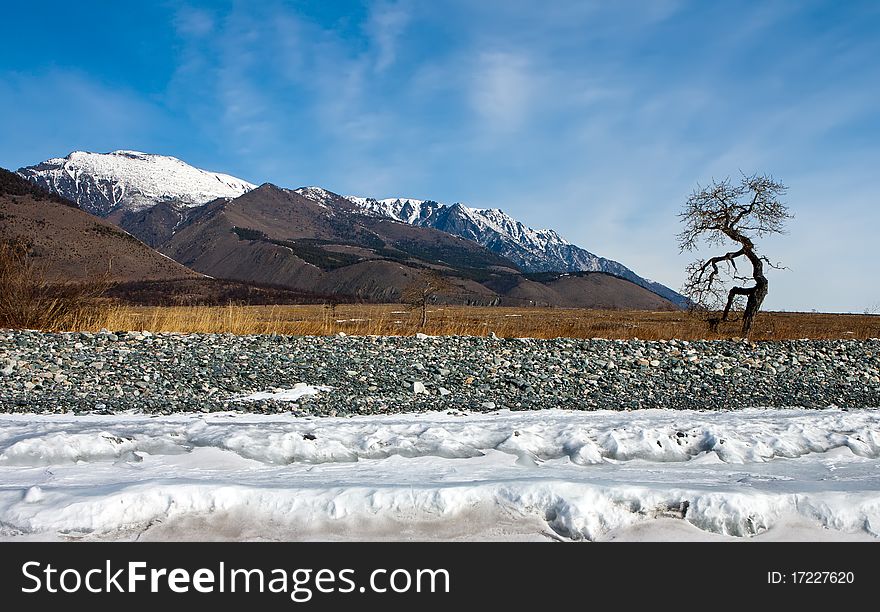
<point>318,195</point>
<point>101,183</point>
<point>533,250</point>
<point>129,187</point>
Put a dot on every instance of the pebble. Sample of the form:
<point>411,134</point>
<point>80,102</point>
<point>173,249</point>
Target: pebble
<point>164,373</point>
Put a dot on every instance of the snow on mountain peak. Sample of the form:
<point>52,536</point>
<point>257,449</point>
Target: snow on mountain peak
<point>406,210</point>
<point>101,183</point>
<point>128,180</point>
<point>319,195</point>
<point>541,250</point>
<point>492,221</point>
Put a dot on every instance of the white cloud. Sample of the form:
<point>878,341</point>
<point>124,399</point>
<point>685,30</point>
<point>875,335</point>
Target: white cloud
<point>592,118</point>
<point>386,23</point>
<point>193,22</point>
<point>501,90</point>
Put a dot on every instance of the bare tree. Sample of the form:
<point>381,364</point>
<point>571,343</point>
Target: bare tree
<point>420,292</point>
<point>732,212</point>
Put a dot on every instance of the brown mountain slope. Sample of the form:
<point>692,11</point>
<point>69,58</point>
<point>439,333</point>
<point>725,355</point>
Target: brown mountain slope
<point>152,226</point>
<point>73,245</point>
<point>589,290</point>
<point>275,236</point>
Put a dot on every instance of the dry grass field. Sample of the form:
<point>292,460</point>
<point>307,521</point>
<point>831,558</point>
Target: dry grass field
<point>390,319</point>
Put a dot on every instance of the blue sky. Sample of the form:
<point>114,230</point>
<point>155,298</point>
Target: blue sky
<point>594,118</point>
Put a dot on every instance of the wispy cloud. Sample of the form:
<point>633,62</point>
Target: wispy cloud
<point>501,89</point>
<point>193,22</point>
<point>52,113</point>
<point>592,117</point>
<point>386,23</point>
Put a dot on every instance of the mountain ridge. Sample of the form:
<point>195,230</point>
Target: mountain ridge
<point>152,196</point>
<point>102,183</point>
<point>278,237</point>
<point>533,250</point>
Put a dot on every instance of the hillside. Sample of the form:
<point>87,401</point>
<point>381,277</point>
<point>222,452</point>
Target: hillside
<point>72,244</point>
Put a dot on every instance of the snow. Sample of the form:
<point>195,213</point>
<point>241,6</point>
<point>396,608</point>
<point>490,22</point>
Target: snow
<point>299,391</point>
<point>132,180</point>
<point>762,474</point>
<point>405,210</point>
<point>533,250</point>
<point>102,182</point>
<point>488,225</point>
<point>319,195</point>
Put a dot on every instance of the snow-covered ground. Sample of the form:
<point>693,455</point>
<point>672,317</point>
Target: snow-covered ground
<point>652,474</point>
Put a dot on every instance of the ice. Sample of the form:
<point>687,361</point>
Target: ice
<point>755,474</point>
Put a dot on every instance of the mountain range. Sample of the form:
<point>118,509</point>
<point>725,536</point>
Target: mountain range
<point>312,239</point>
<point>532,250</point>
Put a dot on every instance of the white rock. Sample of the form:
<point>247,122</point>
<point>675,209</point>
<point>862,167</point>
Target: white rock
<point>419,387</point>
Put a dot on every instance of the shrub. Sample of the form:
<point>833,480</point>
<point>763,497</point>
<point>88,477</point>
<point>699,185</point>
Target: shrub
<point>29,300</point>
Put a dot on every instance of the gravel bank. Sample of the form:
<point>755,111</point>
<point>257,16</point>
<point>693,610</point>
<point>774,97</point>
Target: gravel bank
<point>164,373</point>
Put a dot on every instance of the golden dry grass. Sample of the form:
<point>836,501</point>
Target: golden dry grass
<point>29,300</point>
<point>390,319</point>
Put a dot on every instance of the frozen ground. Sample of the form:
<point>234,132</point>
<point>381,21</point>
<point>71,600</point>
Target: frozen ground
<point>643,475</point>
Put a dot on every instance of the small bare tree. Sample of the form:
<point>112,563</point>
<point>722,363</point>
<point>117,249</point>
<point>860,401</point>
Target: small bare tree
<point>419,292</point>
<point>732,212</point>
<point>330,313</point>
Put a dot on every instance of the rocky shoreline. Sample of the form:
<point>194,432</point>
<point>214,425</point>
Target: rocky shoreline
<point>165,373</point>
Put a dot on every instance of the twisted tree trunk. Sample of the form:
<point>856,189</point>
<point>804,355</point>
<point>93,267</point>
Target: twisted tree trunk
<point>726,211</point>
<point>754,295</point>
